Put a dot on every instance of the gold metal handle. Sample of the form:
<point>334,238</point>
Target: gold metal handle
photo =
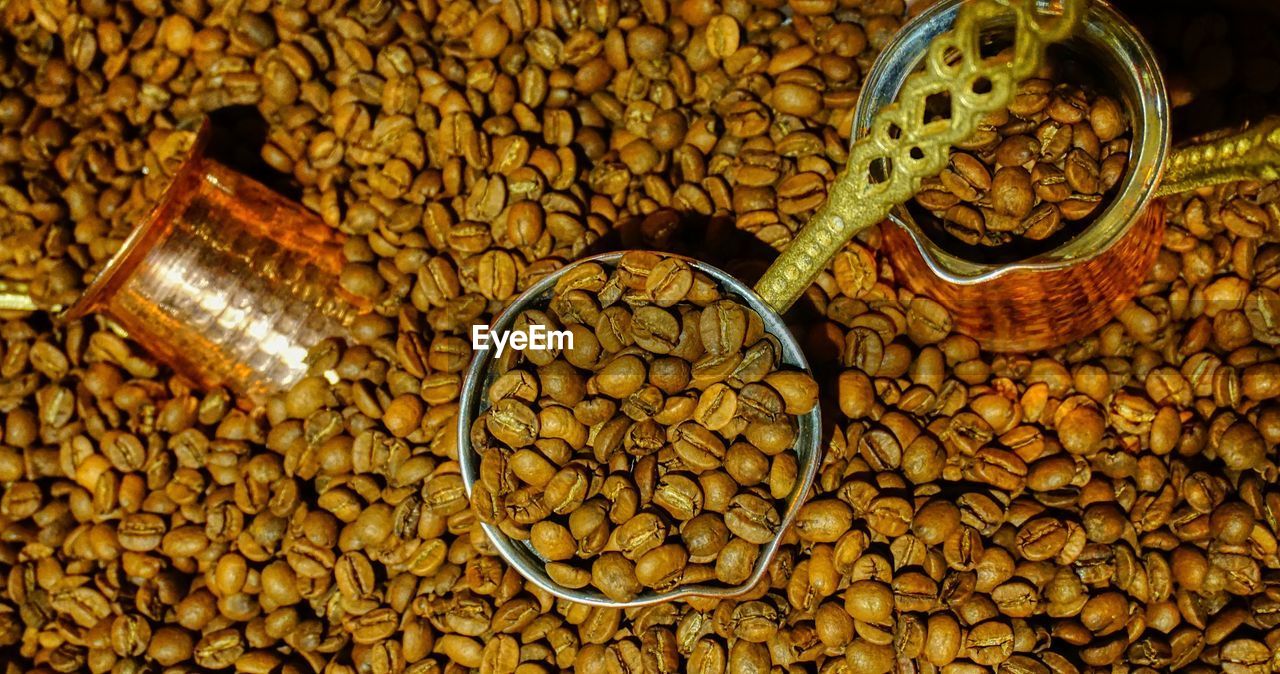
<point>15,296</point>
<point>887,166</point>
<point>1252,154</point>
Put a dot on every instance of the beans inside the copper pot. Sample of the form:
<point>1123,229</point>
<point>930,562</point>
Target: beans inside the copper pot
<point>1049,161</point>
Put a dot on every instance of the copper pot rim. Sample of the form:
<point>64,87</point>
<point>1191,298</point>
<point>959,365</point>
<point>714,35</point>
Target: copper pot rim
<point>145,235</point>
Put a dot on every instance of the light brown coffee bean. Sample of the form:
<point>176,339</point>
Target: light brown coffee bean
<point>705,536</point>
<point>1068,105</point>
<point>639,535</point>
<point>1050,183</point>
<point>669,282</point>
<point>662,565</point>
<point>680,495</point>
<point>723,327</point>
<point>1055,141</point>
<point>716,407</point>
<point>1031,98</point>
<point>1043,222</point>
<point>698,446</point>
<point>752,518</point>
<point>1011,191</point>
<point>823,521</point>
<point>723,36</point>
<point>1082,172</point>
<point>1107,118</point>
<point>1017,150</point>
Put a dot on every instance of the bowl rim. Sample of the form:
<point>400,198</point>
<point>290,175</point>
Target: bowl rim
<point>520,556</point>
<point>1102,25</point>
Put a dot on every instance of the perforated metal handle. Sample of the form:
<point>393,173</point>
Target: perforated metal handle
<point>887,167</point>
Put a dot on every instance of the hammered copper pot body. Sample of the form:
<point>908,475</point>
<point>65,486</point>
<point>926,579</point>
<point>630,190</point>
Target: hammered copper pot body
<point>226,281</point>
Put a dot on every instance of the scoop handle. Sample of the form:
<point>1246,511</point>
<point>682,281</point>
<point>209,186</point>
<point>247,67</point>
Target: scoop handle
<point>837,221</point>
<point>1252,154</point>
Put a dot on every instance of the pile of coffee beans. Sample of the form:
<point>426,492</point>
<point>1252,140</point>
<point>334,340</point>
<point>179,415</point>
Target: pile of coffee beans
<point>1108,506</point>
<point>1050,159</point>
<point>657,448</point>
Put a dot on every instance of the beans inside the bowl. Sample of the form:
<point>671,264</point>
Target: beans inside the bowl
<point>651,447</point>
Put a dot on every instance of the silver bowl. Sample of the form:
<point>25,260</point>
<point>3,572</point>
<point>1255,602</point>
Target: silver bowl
<point>521,555</point>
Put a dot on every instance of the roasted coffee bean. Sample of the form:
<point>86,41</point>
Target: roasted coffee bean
<point>1017,150</point>
<point>1055,141</point>
<point>935,196</point>
<point>966,178</point>
<point>698,446</point>
<point>753,518</point>
<point>705,536</point>
<point>669,282</point>
<point>662,565</point>
<point>965,223</point>
<point>824,521</point>
<point>1050,183</point>
<point>1031,98</point>
<point>1043,222</point>
<point>1082,172</point>
<point>1011,191</point>
<point>723,327</point>
<point>736,561</point>
<point>1108,118</point>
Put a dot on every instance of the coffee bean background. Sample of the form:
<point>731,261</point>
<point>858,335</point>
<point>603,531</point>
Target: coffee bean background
<point>1107,506</point>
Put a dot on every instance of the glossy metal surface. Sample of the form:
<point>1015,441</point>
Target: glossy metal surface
<point>1251,154</point>
<point>226,281</point>
<point>15,297</point>
<point>521,555</point>
<point>1069,291</point>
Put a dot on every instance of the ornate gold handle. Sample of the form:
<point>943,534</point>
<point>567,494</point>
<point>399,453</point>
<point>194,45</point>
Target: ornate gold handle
<point>1252,154</point>
<point>902,148</point>
<point>14,296</point>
